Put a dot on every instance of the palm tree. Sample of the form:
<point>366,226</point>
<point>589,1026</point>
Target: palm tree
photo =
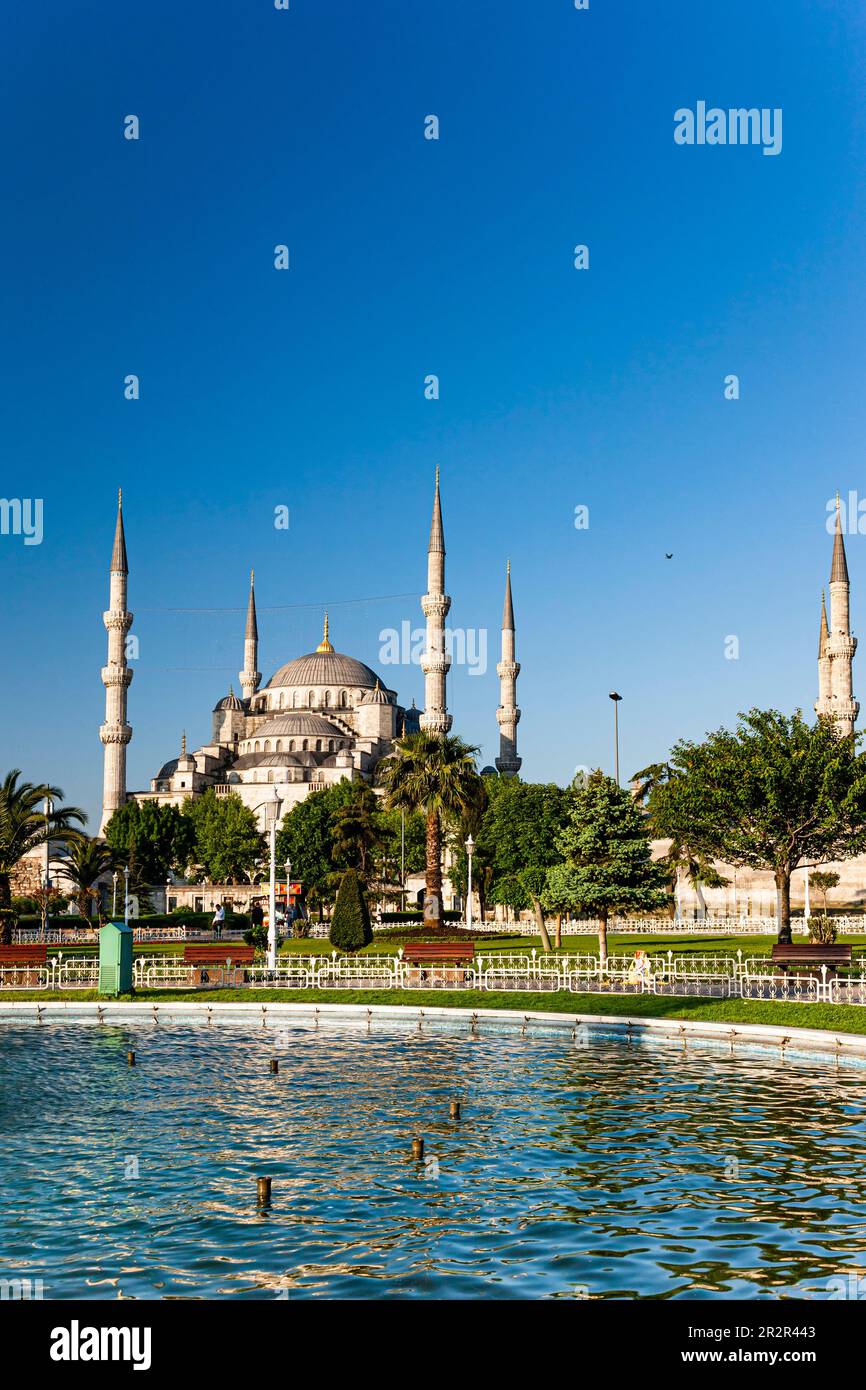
<point>436,775</point>
<point>24,826</point>
<point>88,860</point>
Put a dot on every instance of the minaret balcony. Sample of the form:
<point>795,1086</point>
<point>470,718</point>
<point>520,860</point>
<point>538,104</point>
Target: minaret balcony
<point>117,620</point>
<point>435,605</point>
<point>116,676</point>
<point>438,663</point>
<point>507,714</point>
<point>115,733</point>
<point>508,670</point>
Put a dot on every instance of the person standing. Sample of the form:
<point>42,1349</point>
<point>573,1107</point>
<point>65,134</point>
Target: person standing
<point>219,918</point>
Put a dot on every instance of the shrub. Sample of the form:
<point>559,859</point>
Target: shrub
<point>350,921</point>
<point>257,935</point>
<point>822,931</point>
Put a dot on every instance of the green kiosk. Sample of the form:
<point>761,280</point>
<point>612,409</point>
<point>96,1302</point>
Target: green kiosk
<point>115,958</point>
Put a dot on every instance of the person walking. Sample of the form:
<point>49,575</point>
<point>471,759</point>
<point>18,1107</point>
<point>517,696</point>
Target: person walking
<point>218,920</point>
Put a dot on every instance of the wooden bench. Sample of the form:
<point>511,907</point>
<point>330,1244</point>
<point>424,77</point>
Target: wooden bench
<point>217,955</point>
<point>812,955</point>
<point>27,961</point>
<point>24,955</point>
<point>439,953</point>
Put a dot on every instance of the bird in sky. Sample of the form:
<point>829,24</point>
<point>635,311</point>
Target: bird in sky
<point>669,556</point>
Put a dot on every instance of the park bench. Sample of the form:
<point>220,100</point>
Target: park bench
<point>216,955</point>
<point>27,962</point>
<point>439,952</point>
<point>24,955</point>
<point>440,960</point>
<point>808,958</point>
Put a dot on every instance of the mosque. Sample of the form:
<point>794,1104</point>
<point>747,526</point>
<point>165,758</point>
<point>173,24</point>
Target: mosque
<point>321,717</point>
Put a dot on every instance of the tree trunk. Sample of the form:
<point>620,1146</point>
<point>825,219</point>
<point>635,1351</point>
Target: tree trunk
<point>542,925</point>
<point>783,904</point>
<point>602,937</point>
<point>5,891</point>
<point>433,877</point>
<point>558,930</point>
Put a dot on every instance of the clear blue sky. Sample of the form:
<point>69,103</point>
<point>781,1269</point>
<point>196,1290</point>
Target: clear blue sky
<point>409,257</point>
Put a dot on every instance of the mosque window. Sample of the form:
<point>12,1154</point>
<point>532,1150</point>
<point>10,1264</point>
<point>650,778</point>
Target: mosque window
<point>295,698</point>
<point>318,745</point>
<point>327,699</point>
<point>278,746</point>
<point>330,745</point>
<point>291,745</point>
<point>312,699</point>
<point>344,699</point>
<point>267,745</point>
<point>304,746</point>
<point>258,746</point>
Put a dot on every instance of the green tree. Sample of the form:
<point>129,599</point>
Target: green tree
<point>606,863</point>
<point>401,836</point>
<point>824,880</point>
<point>437,776</point>
<point>356,832</point>
<point>769,795</point>
<point>306,837</point>
<point>350,922</point>
<point>519,835</point>
<point>150,839</point>
<point>88,859</point>
<point>228,845</point>
<point>650,785</point>
<point>24,825</point>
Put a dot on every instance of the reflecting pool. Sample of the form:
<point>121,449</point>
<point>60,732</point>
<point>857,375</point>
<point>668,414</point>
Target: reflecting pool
<point>587,1168</point>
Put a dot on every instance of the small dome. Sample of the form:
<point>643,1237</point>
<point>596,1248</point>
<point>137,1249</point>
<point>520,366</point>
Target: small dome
<point>229,701</point>
<point>168,769</point>
<point>378,696</point>
<point>489,772</point>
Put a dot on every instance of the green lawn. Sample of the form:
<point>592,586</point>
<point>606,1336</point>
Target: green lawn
<point>839,1018</point>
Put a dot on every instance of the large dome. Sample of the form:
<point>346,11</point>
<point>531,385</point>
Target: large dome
<point>323,669</point>
<point>294,724</point>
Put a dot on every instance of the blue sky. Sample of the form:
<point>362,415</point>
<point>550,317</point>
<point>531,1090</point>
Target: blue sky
<point>304,388</point>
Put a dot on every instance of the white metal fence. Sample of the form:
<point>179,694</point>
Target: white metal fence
<point>694,976</point>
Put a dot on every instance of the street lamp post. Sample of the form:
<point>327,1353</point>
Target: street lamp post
<point>167,891</point>
<point>616,699</point>
<point>470,845</point>
<point>114,894</point>
<point>272,815</point>
<point>288,891</point>
<point>48,808</point>
<point>126,895</point>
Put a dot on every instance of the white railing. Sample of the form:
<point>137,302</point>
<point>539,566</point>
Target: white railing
<point>656,926</point>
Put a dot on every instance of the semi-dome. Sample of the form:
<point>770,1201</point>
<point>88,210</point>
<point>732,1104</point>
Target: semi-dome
<point>293,725</point>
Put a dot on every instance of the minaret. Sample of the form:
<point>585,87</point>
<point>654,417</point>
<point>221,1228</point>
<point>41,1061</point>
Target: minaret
<point>249,677</point>
<point>115,733</point>
<point>435,605</point>
<point>840,645</point>
<point>508,715</point>
<point>823,704</point>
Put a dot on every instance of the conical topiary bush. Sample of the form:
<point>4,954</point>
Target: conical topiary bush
<point>350,922</point>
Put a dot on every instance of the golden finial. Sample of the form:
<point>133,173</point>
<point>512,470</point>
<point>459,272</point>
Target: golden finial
<point>252,578</point>
<point>119,498</point>
<point>507,566</point>
<point>324,645</point>
<point>437,477</point>
<point>183,744</point>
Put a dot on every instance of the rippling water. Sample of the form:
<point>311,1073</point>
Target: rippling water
<point>601,1170</point>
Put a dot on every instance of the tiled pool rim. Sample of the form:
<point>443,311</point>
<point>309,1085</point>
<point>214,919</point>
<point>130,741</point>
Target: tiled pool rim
<point>785,1040</point>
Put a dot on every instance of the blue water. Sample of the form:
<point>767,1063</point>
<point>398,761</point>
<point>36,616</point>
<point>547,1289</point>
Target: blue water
<point>609,1169</point>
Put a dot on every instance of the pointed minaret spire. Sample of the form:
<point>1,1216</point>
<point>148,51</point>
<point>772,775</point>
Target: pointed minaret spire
<point>435,605</point>
<point>839,567</point>
<point>119,563</point>
<point>249,677</point>
<point>325,645</point>
<point>508,669</point>
<point>115,733</point>
<point>837,645</point>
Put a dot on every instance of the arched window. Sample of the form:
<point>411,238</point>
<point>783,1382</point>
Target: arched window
<point>267,745</point>
<point>344,699</point>
<point>282,699</point>
<point>295,699</point>
<point>327,699</point>
<point>304,746</point>
<point>318,745</point>
<point>278,746</point>
<point>312,700</point>
<point>291,745</point>
<point>330,745</point>
<point>258,746</point>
